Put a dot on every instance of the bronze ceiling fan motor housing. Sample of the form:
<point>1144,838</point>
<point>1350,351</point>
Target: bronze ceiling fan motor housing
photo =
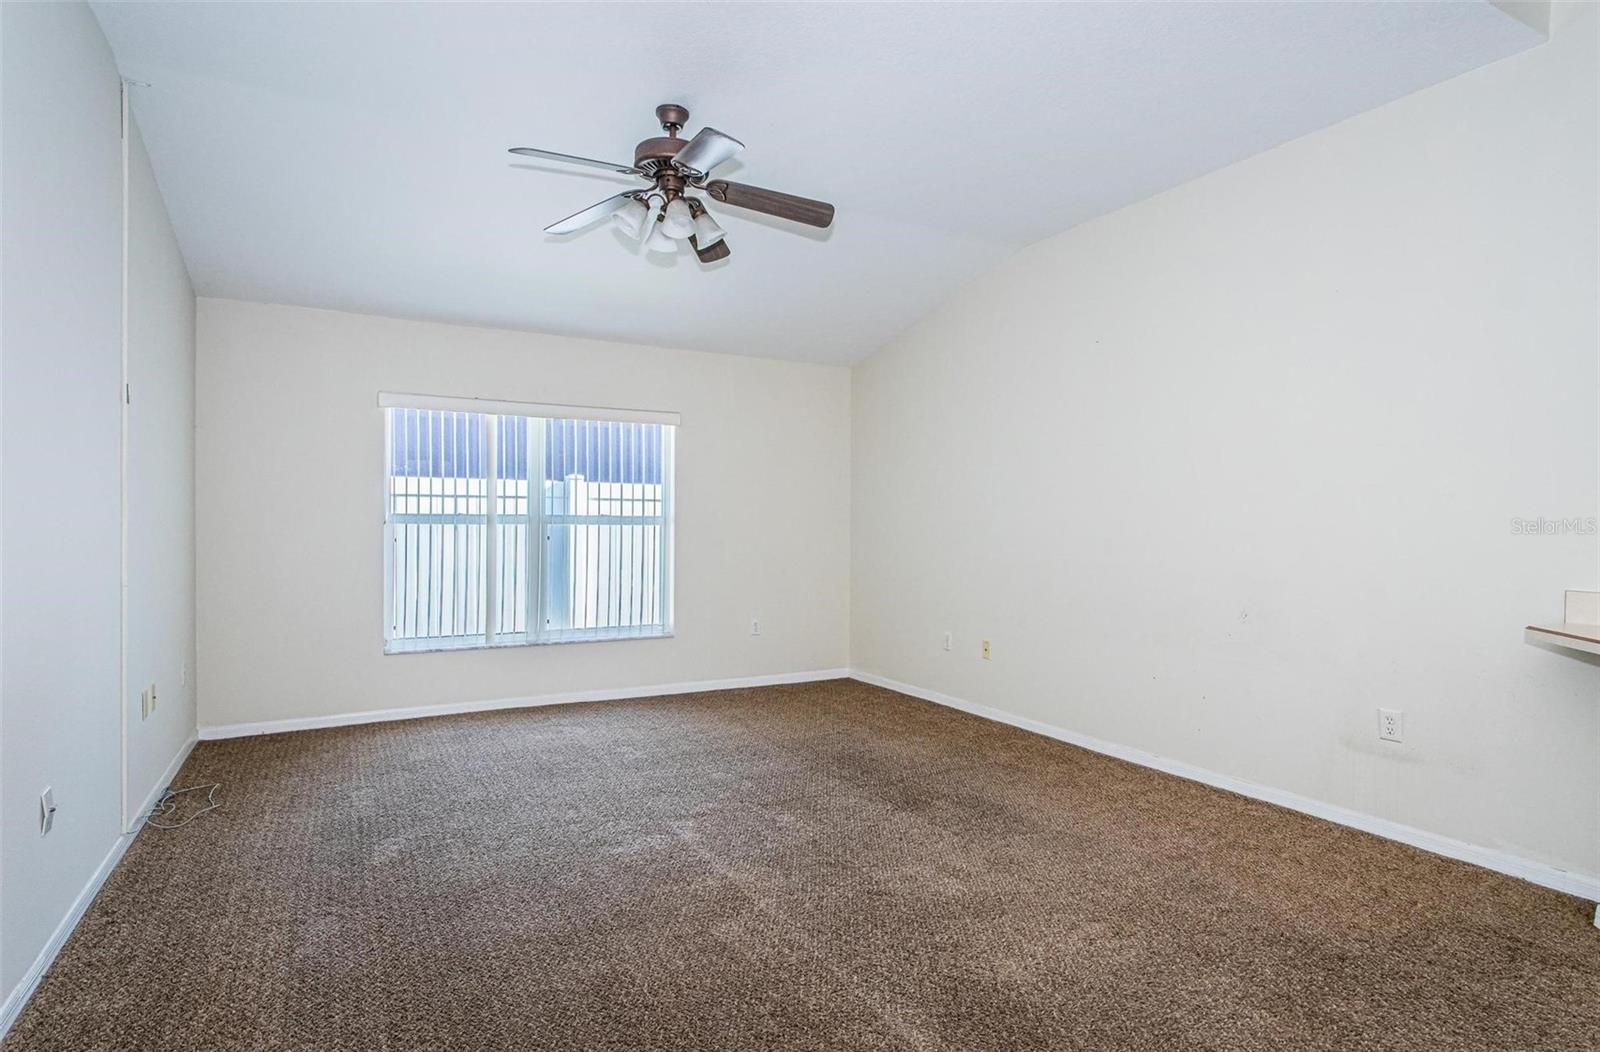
<point>652,156</point>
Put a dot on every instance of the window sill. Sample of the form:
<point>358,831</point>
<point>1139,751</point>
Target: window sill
<point>435,646</point>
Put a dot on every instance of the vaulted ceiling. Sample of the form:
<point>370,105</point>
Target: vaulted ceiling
<point>353,156</point>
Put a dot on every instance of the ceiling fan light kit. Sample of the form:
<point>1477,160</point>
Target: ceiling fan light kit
<point>658,241</point>
<point>631,217</point>
<point>665,214</point>
<point>676,222</point>
<point>706,230</point>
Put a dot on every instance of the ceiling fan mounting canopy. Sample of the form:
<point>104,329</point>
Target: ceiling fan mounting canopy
<point>672,116</point>
<point>673,165</point>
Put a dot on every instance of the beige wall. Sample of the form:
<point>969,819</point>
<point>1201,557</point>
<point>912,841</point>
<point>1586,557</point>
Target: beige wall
<point>1225,471</point>
<point>289,507</point>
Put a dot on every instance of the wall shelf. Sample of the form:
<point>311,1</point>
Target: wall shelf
<point>1579,628</point>
<point>1567,634</point>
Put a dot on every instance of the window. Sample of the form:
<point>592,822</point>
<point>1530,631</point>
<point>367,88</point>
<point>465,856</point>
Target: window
<point>575,542</point>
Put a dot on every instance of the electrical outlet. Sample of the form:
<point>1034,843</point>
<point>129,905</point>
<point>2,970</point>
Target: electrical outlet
<point>755,626</point>
<point>47,810</point>
<point>986,650</point>
<point>183,674</point>
<point>947,641</point>
<point>152,693</point>
<point>1391,725</point>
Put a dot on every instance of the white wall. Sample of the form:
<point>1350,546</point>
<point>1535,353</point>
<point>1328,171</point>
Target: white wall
<point>1223,472</point>
<point>60,279</point>
<point>290,600</point>
<point>160,486</point>
<point>61,463</point>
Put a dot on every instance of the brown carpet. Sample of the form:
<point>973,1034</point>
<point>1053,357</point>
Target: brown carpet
<point>820,866</point>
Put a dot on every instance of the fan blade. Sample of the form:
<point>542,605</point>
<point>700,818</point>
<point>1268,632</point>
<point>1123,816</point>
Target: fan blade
<point>706,150</point>
<point>547,155</point>
<point>773,203</point>
<point>720,250</point>
<point>589,216</point>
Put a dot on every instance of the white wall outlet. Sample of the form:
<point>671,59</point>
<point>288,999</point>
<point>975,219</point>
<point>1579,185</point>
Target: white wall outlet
<point>755,626</point>
<point>183,674</point>
<point>948,641</point>
<point>1391,725</point>
<point>47,810</point>
<point>152,693</point>
<point>986,650</point>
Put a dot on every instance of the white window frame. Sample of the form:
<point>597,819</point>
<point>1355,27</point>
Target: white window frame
<point>535,633</point>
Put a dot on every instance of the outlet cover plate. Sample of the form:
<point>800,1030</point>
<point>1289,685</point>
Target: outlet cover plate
<point>1391,725</point>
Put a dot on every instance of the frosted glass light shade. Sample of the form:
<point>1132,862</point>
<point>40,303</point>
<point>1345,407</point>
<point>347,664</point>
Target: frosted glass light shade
<point>632,216</point>
<point>658,241</point>
<point>706,231</point>
<point>679,221</point>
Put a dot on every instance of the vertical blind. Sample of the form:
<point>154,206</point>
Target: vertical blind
<point>505,528</point>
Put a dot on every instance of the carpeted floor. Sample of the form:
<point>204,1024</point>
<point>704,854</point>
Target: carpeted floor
<point>818,866</point>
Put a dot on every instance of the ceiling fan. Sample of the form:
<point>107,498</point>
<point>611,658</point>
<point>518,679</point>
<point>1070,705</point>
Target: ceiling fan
<point>664,213</point>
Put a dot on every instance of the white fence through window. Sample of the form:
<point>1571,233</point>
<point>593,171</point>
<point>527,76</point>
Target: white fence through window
<point>587,558</point>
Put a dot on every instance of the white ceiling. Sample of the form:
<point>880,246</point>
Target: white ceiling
<point>353,155</point>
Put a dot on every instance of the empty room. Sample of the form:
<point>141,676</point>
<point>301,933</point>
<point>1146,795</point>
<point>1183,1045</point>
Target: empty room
<point>800,526</point>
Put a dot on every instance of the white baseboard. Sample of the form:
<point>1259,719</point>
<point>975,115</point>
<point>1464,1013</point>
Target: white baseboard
<point>18,997</point>
<point>20,993</point>
<point>1581,885</point>
<point>241,730</point>
<point>137,819</point>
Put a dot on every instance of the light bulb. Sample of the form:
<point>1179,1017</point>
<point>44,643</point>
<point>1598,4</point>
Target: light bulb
<point>631,217</point>
<point>706,231</point>
<point>678,221</point>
